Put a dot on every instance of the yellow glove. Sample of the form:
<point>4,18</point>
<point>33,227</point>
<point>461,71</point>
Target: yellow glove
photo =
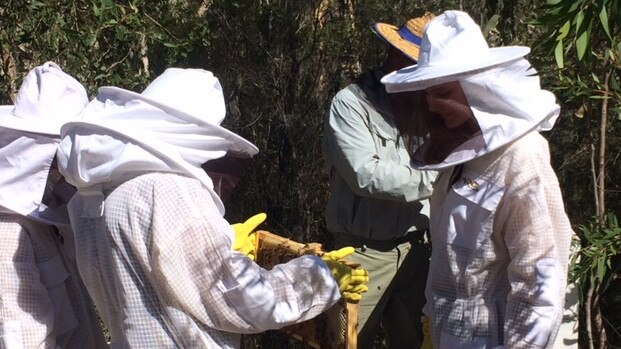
<point>245,236</point>
<point>427,344</point>
<point>352,282</point>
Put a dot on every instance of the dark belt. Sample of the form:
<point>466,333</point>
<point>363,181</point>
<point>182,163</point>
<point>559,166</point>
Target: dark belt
<point>413,237</point>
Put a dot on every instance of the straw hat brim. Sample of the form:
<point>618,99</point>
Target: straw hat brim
<point>390,34</point>
<point>9,121</point>
<point>239,145</point>
<point>415,78</point>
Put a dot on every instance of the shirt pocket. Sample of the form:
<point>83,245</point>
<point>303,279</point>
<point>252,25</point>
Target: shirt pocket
<point>462,229</point>
<point>53,277</point>
<point>386,140</point>
<point>469,211</point>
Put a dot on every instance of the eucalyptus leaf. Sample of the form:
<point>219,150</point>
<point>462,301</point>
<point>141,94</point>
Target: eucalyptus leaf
<point>564,30</point>
<point>601,268</point>
<point>603,18</point>
<point>559,55</point>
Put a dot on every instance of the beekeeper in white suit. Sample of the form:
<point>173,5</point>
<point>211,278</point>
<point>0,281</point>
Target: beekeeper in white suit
<point>43,303</point>
<point>153,247</point>
<point>499,230</point>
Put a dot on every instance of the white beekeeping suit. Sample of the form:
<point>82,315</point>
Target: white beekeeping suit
<point>499,230</point>
<point>43,303</point>
<point>151,239</point>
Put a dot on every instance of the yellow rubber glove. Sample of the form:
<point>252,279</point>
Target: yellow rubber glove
<point>245,236</point>
<point>427,343</point>
<point>352,282</point>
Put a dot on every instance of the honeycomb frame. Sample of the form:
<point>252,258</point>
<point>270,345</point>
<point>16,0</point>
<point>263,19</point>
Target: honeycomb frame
<point>336,328</point>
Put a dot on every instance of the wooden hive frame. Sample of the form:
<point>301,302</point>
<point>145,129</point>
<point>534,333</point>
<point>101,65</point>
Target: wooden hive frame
<point>336,328</point>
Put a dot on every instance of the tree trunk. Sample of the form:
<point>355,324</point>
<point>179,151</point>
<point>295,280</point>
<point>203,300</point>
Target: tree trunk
<point>203,8</point>
<point>589,319</point>
<point>321,11</point>
<point>144,57</point>
<point>595,181</point>
<point>11,72</point>
<point>598,331</point>
<point>601,176</point>
<point>357,66</point>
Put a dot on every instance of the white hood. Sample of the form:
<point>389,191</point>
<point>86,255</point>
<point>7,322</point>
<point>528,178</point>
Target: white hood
<point>507,102</point>
<point>29,134</point>
<point>94,157</point>
<point>173,126</point>
<point>25,161</point>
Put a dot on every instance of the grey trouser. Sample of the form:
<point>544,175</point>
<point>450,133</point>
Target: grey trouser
<point>396,296</point>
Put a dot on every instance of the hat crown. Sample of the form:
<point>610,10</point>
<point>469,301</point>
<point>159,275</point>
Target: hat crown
<point>416,26</point>
<point>49,96</point>
<point>453,38</point>
<point>406,38</point>
<point>194,92</point>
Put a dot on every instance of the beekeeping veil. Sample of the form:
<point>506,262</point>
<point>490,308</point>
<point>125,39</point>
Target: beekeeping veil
<point>502,89</point>
<point>172,126</point>
<point>29,135</point>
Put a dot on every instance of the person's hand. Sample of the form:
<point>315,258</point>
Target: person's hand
<point>427,343</point>
<point>246,237</point>
<point>352,281</point>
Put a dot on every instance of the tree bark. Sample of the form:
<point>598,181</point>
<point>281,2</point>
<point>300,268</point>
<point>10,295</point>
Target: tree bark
<point>357,66</point>
<point>601,176</point>
<point>203,8</point>
<point>144,57</point>
<point>11,72</point>
<point>588,307</point>
<point>598,330</point>
<point>595,181</point>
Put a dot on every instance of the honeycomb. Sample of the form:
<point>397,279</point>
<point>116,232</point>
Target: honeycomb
<point>336,328</point>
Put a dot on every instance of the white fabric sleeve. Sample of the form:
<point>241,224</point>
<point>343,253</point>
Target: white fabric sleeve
<point>226,290</point>
<point>350,148</point>
<point>536,233</point>
<point>289,293</point>
<point>26,310</point>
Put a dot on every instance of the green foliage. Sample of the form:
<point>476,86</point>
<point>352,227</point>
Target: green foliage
<point>573,23</point>
<point>584,40</point>
<point>101,42</point>
<point>601,242</point>
<point>596,269</point>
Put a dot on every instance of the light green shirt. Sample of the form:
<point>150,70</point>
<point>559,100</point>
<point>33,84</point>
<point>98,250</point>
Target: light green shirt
<point>375,194</point>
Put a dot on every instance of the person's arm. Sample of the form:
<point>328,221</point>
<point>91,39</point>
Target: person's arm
<point>350,148</point>
<point>224,289</point>
<point>537,236</point>
<point>26,310</point>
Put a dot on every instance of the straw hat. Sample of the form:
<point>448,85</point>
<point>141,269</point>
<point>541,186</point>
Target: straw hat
<point>453,46</point>
<point>47,98</point>
<point>406,39</point>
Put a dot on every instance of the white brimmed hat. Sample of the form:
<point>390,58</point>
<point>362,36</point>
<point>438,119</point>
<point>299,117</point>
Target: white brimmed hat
<point>453,46</point>
<point>173,126</point>
<point>192,95</point>
<point>47,98</point>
